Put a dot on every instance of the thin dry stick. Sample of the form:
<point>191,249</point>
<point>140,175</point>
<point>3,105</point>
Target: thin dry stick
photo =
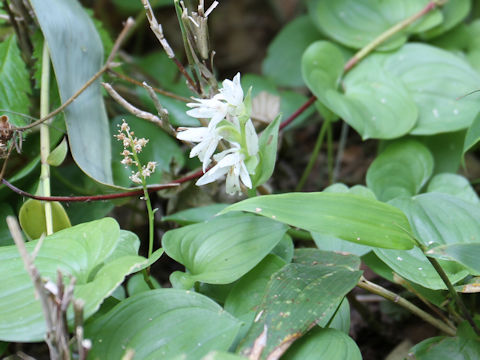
<point>128,25</point>
<point>130,108</point>
<point>377,289</point>
<point>158,31</point>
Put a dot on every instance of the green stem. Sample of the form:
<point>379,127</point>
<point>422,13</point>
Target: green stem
<point>454,293</point>
<point>378,290</point>
<point>45,137</point>
<point>330,153</point>
<point>313,157</point>
<point>389,33</point>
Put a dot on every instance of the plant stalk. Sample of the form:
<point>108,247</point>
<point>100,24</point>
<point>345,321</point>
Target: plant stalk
<point>45,137</point>
<point>387,294</point>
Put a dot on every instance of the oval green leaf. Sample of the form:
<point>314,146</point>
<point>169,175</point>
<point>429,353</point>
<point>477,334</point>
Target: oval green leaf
<point>324,344</point>
<point>375,104</point>
<point>57,156</point>
<point>453,184</point>
<point>465,254</point>
<point>83,251</point>
<point>357,23</point>
<point>162,324</point>
<point>349,217</point>
<point>222,250</point>
<point>32,218</point>
<point>195,215</point>
<point>402,169</point>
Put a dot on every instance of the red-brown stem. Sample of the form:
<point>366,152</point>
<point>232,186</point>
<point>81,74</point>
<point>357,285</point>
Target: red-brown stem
<point>187,76</point>
<point>297,113</point>
<point>105,196</point>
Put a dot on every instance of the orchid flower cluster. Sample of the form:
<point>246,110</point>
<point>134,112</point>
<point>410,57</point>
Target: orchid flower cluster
<point>131,147</point>
<point>229,120</point>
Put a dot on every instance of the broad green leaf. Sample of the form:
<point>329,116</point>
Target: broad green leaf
<point>402,169</point>
<point>473,134</point>
<point>57,156</point>
<point>324,344</point>
<point>195,215</point>
<point>81,251</point>
<point>332,243</point>
<point>5,236</point>
<point>282,62</point>
<point>443,347</point>
<point>14,81</point>
<point>455,185</point>
<point>465,254</point>
<point>32,218</point>
<point>349,217</point>
<point>65,22</point>
<point>221,355</point>
<point>298,296</point>
<point>161,148</point>
<point>373,99</point>
<point>341,319</point>
<point>435,78</point>
<point>357,23</point>
<point>436,219</point>
<point>470,286</point>
<point>359,190</point>
<point>162,324</point>
<point>267,144</point>
<point>247,293</point>
<point>136,284</point>
<point>447,150</point>
<point>453,13</point>
<point>284,249</point>
<point>222,250</point>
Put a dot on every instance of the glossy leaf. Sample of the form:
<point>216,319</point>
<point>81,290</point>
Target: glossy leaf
<point>324,344</point>
<point>267,144</point>
<point>373,98</point>
<point>455,185</point>
<point>435,78</point>
<point>162,324</point>
<point>402,169</point>
<point>297,296</point>
<point>436,219</point>
<point>222,250</point>
<point>341,319</point>
<point>349,217</point>
<point>473,134</point>
<point>65,22</point>
<point>355,24</point>
<point>443,347</point>
<point>447,150</point>
<point>195,215</point>
<point>465,254</point>
<point>14,81</point>
<point>82,251</point>
<point>57,156</point>
<point>284,249</point>
<point>32,218</point>
<point>282,62</point>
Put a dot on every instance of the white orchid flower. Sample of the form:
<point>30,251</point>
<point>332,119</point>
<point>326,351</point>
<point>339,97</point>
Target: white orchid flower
<point>231,163</point>
<point>251,137</point>
<point>232,91</point>
<point>207,140</point>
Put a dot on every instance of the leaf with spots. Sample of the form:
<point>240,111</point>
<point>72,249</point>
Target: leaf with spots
<point>297,297</point>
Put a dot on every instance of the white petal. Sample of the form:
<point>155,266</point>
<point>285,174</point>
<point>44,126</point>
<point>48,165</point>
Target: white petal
<point>251,137</point>
<point>232,184</point>
<point>197,134</point>
<point>211,175</point>
<point>232,91</point>
<point>230,160</point>
<point>244,176</point>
